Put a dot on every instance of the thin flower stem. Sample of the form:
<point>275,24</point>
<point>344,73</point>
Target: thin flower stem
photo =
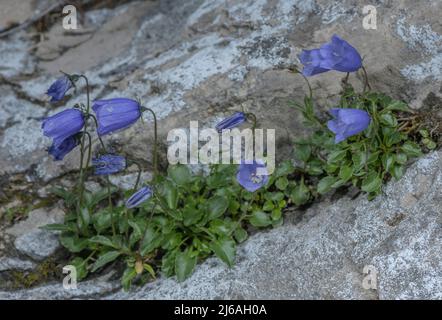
<point>109,195</point>
<point>89,154</point>
<point>96,126</point>
<point>309,86</point>
<point>138,176</point>
<point>87,90</point>
<point>155,155</point>
<point>346,79</point>
<point>254,122</point>
<point>83,141</point>
<point>306,80</point>
<point>367,83</point>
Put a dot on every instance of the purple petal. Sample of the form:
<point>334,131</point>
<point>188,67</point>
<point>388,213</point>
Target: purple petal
<point>63,125</point>
<point>116,114</point>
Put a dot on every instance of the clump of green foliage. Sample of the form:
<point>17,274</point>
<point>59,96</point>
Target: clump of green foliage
<point>365,160</point>
<point>190,217</point>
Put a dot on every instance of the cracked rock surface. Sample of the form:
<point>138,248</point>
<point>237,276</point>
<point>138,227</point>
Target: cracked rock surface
<point>202,60</point>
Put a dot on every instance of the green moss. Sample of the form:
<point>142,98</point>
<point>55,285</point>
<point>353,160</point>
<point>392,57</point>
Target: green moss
<point>42,273</point>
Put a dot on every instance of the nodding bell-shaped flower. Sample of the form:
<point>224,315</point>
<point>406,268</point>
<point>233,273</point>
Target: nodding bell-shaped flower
<point>63,125</point>
<point>337,55</point>
<point>231,122</point>
<point>252,176</point>
<point>347,122</point>
<point>139,197</point>
<point>59,88</point>
<point>58,152</point>
<point>116,114</point>
<point>109,164</point>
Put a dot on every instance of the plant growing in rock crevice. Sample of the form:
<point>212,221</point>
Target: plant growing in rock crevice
<point>178,218</point>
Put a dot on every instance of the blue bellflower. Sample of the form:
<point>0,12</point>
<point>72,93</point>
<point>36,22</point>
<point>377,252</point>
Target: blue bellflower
<point>252,176</point>
<point>233,121</point>
<point>59,151</point>
<point>139,197</point>
<point>59,88</point>
<point>116,114</point>
<point>347,122</point>
<point>336,55</point>
<point>108,164</point>
<point>63,125</point>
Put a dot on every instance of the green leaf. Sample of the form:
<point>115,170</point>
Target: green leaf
<point>303,152</point>
<point>168,263</point>
<point>336,156</point>
<point>73,243</point>
<point>398,106</point>
<point>274,196</point>
<point>260,219</point>
<point>276,214</point>
<point>69,197</point>
<point>103,241</point>
<point>282,183</point>
<point>129,274</point>
<point>401,158</point>
<point>411,149</point>
<point>282,204</point>
<point>424,133</point>
<point>391,138</point>
<point>359,160</point>
<point>388,161</point>
<point>151,240</point>
<point>300,194</point>
<point>184,264</point>
<point>388,119</point>
<point>85,216</point>
<point>149,269</point>
<point>102,220</point>
<point>371,183</point>
<point>373,157</point>
<point>325,184</point>
<point>172,240</point>
<point>170,193</point>
<point>430,144</point>
<point>58,227</point>
<point>268,206</point>
<point>345,173</point>
<point>398,171</point>
<point>136,228</point>
<point>81,267</point>
<point>314,167</point>
<point>222,227</point>
<point>338,184</point>
<point>180,174</point>
<point>240,234</point>
<point>217,206</point>
<point>136,234</point>
<point>284,169</point>
<point>225,249</point>
<point>191,215</point>
<point>105,259</point>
